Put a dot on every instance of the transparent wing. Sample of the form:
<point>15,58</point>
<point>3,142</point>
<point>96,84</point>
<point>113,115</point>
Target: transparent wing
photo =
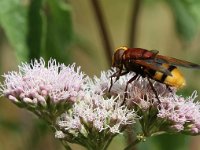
<point>150,64</point>
<point>176,62</point>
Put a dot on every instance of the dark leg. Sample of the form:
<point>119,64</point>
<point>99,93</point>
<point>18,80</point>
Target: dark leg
<point>153,89</point>
<point>125,91</point>
<point>169,89</point>
<point>121,74</point>
<point>117,75</point>
<point>111,80</point>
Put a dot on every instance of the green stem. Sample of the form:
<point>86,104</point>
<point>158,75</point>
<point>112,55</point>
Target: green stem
<point>158,133</point>
<point>65,144</point>
<point>130,146</point>
<point>50,120</point>
<point>108,142</point>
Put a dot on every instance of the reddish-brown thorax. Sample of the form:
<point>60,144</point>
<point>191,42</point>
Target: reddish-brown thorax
<point>137,53</point>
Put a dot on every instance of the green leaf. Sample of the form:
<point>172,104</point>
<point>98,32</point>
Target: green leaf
<point>59,31</point>
<point>166,142</point>
<point>173,142</point>
<point>13,21</point>
<point>9,125</point>
<point>36,30</point>
<point>37,133</point>
<point>187,17</point>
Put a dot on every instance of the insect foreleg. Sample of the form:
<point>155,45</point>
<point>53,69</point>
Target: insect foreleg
<point>117,75</point>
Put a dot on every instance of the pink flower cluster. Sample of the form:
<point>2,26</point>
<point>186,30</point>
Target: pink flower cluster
<point>99,113</point>
<point>83,108</point>
<point>54,90</point>
<point>181,115</point>
<point>38,84</point>
<point>174,113</point>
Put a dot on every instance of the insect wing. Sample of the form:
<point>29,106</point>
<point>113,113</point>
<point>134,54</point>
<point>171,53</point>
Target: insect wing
<point>150,64</point>
<point>177,62</point>
<point>154,51</point>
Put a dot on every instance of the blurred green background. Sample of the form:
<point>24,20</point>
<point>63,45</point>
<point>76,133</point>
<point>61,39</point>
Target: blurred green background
<point>71,31</point>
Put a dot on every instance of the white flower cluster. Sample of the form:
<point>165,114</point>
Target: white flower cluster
<point>98,113</point>
<point>81,108</point>
<point>54,89</point>
<point>172,114</point>
<point>181,115</point>
<point>37,83</point>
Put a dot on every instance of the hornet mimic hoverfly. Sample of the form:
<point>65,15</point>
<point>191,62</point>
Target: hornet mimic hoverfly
<point>149,64</point>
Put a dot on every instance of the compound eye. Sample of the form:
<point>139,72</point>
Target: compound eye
<point>117,57</point>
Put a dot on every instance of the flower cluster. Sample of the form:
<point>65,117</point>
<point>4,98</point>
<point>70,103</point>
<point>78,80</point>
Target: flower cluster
<point>99,113</point>
<point>172,114</point>
<point>78,107</point>
<point>40,87</point>
<point>180,115</point>
<point>83,110</point>
<point>103,116</point>
<point>102,83</point>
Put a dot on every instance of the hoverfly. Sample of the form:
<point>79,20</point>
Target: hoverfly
<point>147,63</point>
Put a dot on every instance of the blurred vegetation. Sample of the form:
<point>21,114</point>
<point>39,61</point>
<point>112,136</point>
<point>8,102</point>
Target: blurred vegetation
<point>86,32</point>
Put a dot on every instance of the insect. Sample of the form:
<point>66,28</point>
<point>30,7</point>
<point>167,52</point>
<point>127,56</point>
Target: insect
<point>147,63</point>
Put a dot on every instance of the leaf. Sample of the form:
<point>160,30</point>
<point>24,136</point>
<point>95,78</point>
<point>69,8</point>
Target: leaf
<point>37,133</point>
<point>187,17</point>
<point>36,31</point>
<point>59,31</point>
<point>166,142</point>
<point>173,142</point>
<point>10,125</point>
<point>13,20</point>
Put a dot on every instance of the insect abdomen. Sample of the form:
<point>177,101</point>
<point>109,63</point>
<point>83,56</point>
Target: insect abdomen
<point>176,80</point>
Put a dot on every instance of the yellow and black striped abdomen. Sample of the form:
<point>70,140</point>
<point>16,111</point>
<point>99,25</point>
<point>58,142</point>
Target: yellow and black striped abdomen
<point>176,80</point>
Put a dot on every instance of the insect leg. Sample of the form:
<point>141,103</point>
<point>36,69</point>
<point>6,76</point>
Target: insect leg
<point>153,89</point>
<point>116,74</point>
<point>125,91</point>
<point>111,80</point>
<point>168,88</point>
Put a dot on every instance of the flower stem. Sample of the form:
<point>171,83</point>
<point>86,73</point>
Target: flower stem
<point>108,142</point>
<point>104,32</point>
<point>132,40</point>
<point>65,144</point>
<point>129,147</point>
<point>133,22</point>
